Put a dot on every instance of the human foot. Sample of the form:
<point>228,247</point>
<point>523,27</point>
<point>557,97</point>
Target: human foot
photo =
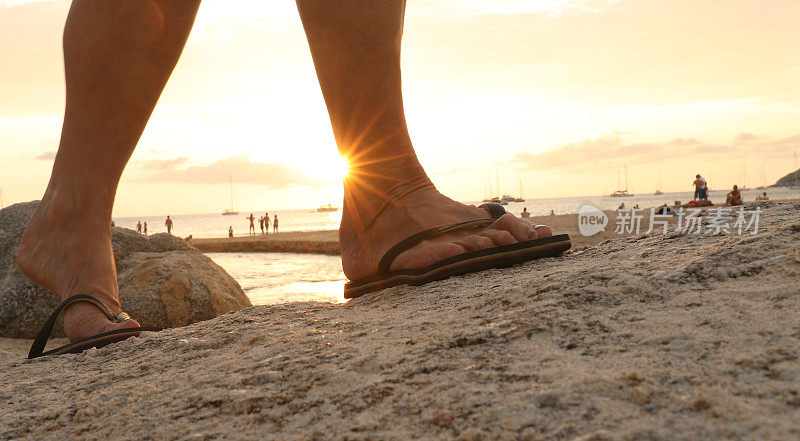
<point>68,251</point>
<point>366,234</point>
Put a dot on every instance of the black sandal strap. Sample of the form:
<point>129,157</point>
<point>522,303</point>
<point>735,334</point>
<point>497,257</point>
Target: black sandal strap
<point>41,340</point>
<point>496,210</point>
<point>386,261</point>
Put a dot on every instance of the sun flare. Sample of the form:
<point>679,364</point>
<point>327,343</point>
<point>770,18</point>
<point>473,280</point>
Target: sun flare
<point>327,168</point>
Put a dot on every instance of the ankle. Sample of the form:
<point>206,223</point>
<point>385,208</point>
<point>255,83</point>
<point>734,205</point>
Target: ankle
<point>82,208</point>
<point>388,179</point>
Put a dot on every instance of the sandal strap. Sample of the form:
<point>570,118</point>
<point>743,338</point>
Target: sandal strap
<point>495,210</point>
<point>41,340</point>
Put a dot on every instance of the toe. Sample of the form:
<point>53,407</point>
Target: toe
<point>83,320</point>
<point>543,231</point>
<point>426,254</point>
<point>110,326</point>
<point>500,237</point>
<point>521,230</point>
<point>475,242</point>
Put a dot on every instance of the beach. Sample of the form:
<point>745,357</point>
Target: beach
<point>327,242</point>
<point>648,337</point>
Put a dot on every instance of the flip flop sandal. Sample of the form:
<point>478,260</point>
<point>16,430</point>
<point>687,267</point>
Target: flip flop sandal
<point>470,262</point>
<point>96,341</point>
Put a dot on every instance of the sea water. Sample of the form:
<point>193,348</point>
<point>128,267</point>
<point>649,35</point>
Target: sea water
<point>269,278</point>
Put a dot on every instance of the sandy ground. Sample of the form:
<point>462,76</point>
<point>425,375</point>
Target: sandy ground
<point>314,242</point>
<point>676,337</point>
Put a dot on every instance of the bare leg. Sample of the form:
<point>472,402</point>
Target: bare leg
<point>118,55</point>
<point>356,50</point>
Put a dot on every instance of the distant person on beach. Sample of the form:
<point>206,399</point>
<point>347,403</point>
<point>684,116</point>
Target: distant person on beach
<point>266,223</point>
<point>636,206</point>
<point>699,187</point>
<point>252,231</point>
<point>168,223</point>
<point>261,224</point>
<point>114,225</point>
<point>525,212</point>
<point>118,56</point>
<point>145,228</point>
<point>664,209</point>
<point>230,231</point>
<point>762,197</point>
<point>552,213</point>
<point>621,206</point>
<point>275,224</point>
<point>734,197</point>
<point>139,227</point>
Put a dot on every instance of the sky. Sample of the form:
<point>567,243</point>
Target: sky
<point>559,95</point>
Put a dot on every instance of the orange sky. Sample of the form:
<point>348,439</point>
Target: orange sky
<point>558,93</point>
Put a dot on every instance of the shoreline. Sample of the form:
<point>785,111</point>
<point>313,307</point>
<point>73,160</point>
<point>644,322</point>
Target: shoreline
<point>327,241</point>
<point>306,242</point>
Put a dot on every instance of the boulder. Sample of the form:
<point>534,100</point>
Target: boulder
<point>162,281</point>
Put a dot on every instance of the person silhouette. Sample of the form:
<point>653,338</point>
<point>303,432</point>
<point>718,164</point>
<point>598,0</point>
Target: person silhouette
<point>168,224</point>
<point>252,230</point>
<point>118,55</point>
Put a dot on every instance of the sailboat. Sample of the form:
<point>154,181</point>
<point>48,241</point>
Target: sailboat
<point>230,211</point>
<point>520,198</point>
<point>622,193</point>
<point>763,177</point>
<point>658,189</point>
<point>744,177</point>
<point>497,199</point>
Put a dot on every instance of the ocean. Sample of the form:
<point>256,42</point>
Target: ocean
<point>269,278</point>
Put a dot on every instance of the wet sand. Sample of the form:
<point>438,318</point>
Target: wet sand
<point>313,242</point>
<point>650,337</point>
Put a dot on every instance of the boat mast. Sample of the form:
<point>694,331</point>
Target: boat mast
<point>795,168</point>
<point>520,189</point>
<point>619,180</point>
<point>230,181</point>
<point>498,183</point>
<point>626,177</point>
<point>744,176</point>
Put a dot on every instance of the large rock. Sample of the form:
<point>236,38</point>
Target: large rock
<point>162,281</point>
<point>789,180</point>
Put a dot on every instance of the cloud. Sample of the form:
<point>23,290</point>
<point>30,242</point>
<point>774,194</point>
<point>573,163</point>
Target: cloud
<point>46,156</point>
<point>163,164</point>
<point>611,151</point>
<point>10,3</point>
<point>488,7</point>
<point>240,168</point>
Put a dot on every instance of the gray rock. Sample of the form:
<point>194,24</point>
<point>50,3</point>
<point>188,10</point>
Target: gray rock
<point>162,281</point>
